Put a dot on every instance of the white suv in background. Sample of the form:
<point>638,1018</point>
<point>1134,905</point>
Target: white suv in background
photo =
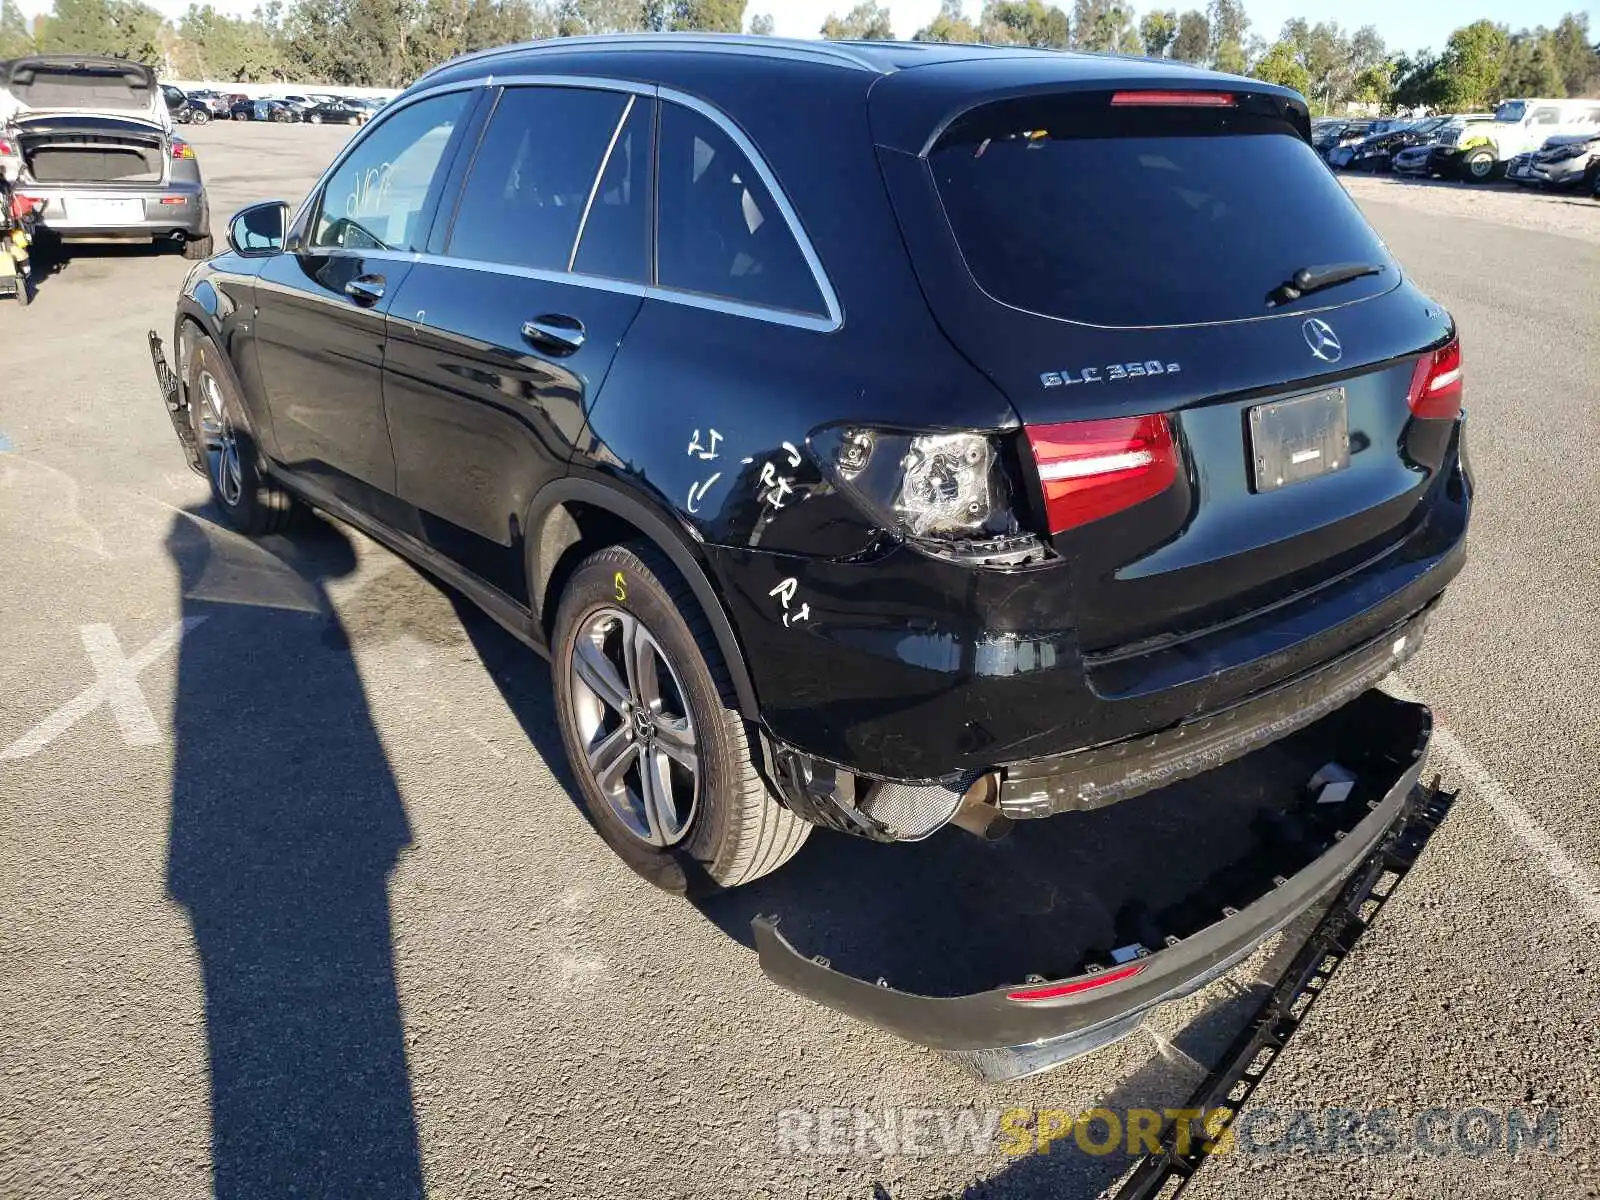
<point>1479,149</point>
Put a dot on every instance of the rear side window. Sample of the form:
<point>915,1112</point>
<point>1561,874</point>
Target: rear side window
<point>532,175</point>
<point>1073,208</point>
<point>720,232</point>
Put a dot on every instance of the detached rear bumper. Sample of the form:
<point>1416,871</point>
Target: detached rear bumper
<point>998,1035</point>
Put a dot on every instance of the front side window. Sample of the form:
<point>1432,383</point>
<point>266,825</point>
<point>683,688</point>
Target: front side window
<point>1511,110</point>
<point>376,197</point>
<point>719,231</point>
<point>533,174</point>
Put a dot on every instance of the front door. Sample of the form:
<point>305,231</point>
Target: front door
<point>321,305</point>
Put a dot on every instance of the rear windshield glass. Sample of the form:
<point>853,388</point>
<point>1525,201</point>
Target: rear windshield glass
<point>1108,215</point>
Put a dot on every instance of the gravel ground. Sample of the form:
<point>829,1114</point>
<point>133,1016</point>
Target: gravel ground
<point>304,907</point>
<point>1566,213</point>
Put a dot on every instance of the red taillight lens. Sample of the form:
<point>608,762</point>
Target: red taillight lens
<point>6,147</point>
<point>1091,469</point>
<point>1172,99</point>
<point>1436,384</point>
<point>181,149</point>
<point>1056,991</point>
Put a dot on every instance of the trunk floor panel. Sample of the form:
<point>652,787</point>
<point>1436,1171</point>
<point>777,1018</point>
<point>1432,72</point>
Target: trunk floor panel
<point>955,915</point>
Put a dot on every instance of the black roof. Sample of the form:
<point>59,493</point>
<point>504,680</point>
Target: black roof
<point>917,86</point>
<point>876,58</point>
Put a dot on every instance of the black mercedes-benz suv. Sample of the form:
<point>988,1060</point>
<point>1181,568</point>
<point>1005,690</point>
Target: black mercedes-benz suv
<point>872,435</point>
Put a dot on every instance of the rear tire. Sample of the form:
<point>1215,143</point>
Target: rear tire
<point>195,249</point>
<point>315,118</point>
<point>250,500</point>
<point>24,292</point>
<point>200,117</point>
<point>713,827</point>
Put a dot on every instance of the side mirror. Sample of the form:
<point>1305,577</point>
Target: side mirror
<point>259,231</point>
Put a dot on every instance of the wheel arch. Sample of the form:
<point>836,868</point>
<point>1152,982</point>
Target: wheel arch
<point>575,516</point>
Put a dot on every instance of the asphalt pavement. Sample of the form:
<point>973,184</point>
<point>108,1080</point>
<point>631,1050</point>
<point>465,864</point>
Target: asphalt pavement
<point>294,899</point>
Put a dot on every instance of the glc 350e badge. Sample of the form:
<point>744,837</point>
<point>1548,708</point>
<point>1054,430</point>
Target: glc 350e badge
<point>1112,373</point>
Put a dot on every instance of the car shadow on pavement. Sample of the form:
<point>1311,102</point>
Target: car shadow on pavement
<point>286,822</point>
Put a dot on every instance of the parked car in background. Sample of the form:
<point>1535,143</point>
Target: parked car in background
<point>1376,151</point>
<point>1335,134</point>
<point>336,111</point>
<point>1480,150</point>
<point>1568,160</point>
<point>99,153</point>
<point>211,101</point>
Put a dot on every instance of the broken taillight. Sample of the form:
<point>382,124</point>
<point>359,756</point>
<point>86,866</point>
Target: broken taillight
<point>1436,384</point>
<point>1055,991</point>
<point>1091,469</point>
<point>181,149</point>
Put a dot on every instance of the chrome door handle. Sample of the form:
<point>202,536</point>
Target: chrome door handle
<point>365,289</point>
<point>555,333</point>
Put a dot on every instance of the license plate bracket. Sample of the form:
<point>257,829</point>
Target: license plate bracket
<point>1299,439</point>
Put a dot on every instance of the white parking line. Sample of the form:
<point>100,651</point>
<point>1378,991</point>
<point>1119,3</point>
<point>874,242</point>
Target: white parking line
<point>116,685</point>
<point>1571,874</point>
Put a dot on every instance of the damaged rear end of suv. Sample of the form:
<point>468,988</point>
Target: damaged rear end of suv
<point>997,440</point>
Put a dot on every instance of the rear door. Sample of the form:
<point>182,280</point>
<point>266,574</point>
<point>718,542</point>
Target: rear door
<point>500,340</point>
<point>320,306</point>
<point>1112,254</point>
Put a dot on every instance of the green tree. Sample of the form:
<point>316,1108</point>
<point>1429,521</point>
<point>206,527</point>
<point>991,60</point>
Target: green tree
<point>125,28</point>
<point>1470,69</point>
<point>950,25</point>
<point>1103,25</point>
<point>1374,85</point>
<point>15,37</point>
<point>223,47</point>
<point>1025,23</point>
<point>573,17</point>
<point>865,22</point>
<point>1157,31</point>
<point>1532,65</point>
<point>1228,27</point>
<point>762,25</point>
<point>1281,65</point>
<point>712,16</point>
<point>1580,61</point>
<point>1417,83</point>
<point>1192,43</point>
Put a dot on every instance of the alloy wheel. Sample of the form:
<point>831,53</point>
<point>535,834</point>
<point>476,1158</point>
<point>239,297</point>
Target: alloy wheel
<point>632,716</point>
<point>219,440</point>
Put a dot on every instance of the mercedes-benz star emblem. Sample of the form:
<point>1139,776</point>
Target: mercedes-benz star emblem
<point>1323,341</point>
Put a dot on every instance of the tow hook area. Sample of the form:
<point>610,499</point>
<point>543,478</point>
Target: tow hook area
<point>177,409</point>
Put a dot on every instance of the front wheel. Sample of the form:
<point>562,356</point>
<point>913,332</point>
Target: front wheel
<point>250,500</point>
<point>315,118</point>
<point>653,733</point>
<point>1477,166</point>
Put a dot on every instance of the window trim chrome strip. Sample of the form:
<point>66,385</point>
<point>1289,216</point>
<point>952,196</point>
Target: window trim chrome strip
<point>594,188</point>
<point>814,322</point>
<point>830,323</point>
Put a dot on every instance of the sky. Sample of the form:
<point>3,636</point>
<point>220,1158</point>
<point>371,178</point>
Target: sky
<point>1404,24</point>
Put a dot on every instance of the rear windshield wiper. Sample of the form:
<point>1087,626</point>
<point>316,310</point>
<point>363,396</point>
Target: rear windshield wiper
<point>1313,279</point>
